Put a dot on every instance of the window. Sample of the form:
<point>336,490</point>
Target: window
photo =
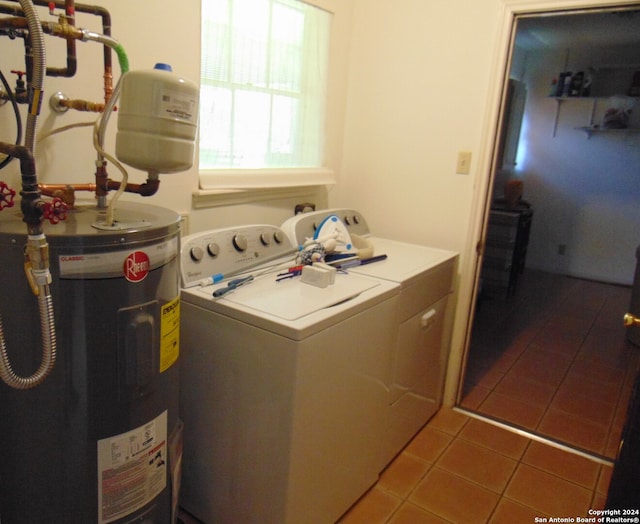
<point>263,85</point>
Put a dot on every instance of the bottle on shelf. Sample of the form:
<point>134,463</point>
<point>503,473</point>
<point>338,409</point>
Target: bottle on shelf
<point>566,87</point>
<point>560,85</point>
<point>585,90</point>
<point>564,83</point>
<point>634,90</point>
<point>575,88</point>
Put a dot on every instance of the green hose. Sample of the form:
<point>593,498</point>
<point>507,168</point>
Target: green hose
<point>123,60</point>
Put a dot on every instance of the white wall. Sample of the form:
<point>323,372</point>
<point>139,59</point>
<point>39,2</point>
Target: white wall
<point>585,192</point>
<point>418,88</point>
<point>421,87</point>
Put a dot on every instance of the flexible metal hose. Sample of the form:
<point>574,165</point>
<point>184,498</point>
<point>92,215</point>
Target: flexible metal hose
<point>39,70</point>
<point>45,302</point>
<point>49,350</point>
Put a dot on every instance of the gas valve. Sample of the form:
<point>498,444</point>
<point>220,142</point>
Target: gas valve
<point>6,196</point>
<point>55,211</point>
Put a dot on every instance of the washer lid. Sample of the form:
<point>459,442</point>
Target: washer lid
<point>292,299</point>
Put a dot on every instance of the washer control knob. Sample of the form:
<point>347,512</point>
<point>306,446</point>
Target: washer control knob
<point>213,249</point>
<point>347,220</point>
<point>277,236</point>
<point>240,242</point>
<point>265,239</point>
<point>356,219</point>
<point>196,254</point>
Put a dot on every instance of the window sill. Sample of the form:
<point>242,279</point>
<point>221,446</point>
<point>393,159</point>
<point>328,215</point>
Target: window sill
<point>232,187</point>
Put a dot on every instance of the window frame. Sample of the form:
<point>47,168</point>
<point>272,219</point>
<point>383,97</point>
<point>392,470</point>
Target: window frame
<point>230,180</point>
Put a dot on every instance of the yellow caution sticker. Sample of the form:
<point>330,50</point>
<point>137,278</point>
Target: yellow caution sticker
<point>170,334</point>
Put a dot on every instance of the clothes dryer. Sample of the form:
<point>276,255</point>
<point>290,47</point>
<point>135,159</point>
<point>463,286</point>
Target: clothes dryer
<point>424,319</point>
<point>284,383</point>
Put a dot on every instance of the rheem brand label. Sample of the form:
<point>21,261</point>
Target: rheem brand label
<point>136,266</point>
<point>109,264</point>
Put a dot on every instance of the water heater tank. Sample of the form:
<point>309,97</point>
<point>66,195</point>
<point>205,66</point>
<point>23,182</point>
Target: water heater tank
<point>157,120</point>
<point>99,441</point>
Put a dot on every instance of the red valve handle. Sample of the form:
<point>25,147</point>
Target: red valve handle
<point>6,196</point>
<point>55,211</point>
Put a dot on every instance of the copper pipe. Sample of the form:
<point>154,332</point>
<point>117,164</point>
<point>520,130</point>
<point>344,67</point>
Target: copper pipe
<point>82,105</point>
<point>71,68</point>
<point>70,9</point>
<point>66,192</point>
<point>149,188</point>
<point>106,30</point>
<point>72,61</point>
<point>17,22</point>
<point>48,189</point>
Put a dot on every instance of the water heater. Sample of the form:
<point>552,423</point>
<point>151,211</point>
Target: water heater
<point>99,441</point>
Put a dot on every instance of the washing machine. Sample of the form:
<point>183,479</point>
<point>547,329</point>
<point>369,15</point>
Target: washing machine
<point>284,388</point>
<point>424,318</point>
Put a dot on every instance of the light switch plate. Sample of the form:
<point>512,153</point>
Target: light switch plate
<point>463,166</point>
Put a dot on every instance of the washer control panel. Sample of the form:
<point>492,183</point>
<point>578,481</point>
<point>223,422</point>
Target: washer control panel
<point>302,226</point>
<point>219,253</point>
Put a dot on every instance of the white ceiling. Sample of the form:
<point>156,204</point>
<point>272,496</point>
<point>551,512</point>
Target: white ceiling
<point>610,28</point>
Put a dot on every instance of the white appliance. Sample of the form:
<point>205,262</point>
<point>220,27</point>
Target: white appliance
<point>424,319</point>
<point>284,383</point>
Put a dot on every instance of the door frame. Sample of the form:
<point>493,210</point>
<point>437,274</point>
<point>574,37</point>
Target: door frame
<point>499,76</point>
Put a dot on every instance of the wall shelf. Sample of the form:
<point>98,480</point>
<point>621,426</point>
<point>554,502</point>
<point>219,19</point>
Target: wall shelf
<point>591,130</point>
<point>560,99</point>
<point>605,80</point>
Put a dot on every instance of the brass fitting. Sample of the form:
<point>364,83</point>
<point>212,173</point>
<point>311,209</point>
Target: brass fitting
<point>63,29</point>
<point>36,263</point>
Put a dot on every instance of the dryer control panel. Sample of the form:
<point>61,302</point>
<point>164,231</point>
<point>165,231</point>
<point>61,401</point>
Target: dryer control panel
<point>220,253</point>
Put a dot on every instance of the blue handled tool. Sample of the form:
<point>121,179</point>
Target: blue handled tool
<point>233,284</point>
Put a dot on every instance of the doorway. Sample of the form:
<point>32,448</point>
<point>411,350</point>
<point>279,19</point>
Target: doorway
<point>553,329</point>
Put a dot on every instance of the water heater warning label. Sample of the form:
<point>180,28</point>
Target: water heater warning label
<point>169,334</point>
<point>132,469</point>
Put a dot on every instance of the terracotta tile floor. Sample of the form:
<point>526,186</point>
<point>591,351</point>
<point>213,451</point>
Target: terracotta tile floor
<point>459,469</point>
<point>553,360</point>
